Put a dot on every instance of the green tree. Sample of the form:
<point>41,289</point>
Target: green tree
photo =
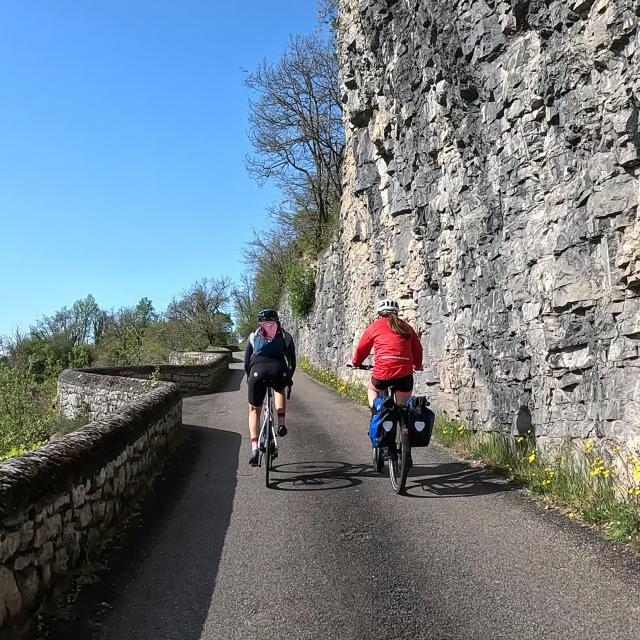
<point>124,337</point>
<point>301,288</point>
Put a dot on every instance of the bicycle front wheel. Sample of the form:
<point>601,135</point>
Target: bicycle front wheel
<point>399,459</point>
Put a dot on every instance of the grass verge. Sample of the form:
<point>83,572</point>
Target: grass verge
<point>353,390</point>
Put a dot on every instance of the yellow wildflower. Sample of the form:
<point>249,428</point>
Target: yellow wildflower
<point>588,446</point>
<point>532,457</point>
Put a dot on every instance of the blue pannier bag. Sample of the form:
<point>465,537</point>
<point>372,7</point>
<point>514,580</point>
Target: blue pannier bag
<point>382,430</point>
<point>421,420</point>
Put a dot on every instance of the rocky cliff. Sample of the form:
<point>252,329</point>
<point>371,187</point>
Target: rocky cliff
<point>491,186</point>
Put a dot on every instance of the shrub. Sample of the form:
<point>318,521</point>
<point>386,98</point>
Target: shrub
<point>25,411</point>
<point>301,289</point>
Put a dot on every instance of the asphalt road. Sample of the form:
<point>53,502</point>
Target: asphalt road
<point>332,552</point>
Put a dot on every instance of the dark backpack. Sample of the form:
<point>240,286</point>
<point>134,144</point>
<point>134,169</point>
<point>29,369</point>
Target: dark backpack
<point>421,420</point>
<point>269,343</point>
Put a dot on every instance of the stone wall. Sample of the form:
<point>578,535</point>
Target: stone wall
<point>100,391</point>
<point>198,357</point>
<point>60,501</point>
<point>491,186</point>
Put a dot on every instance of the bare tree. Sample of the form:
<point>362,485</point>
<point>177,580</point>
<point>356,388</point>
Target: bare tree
<point>328,12</point>
<point>245,305</point>
<point>202,312</point>
<point>297,132</point>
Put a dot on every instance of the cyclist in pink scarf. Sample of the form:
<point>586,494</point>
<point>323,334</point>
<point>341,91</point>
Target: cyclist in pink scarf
<point>269,361</point>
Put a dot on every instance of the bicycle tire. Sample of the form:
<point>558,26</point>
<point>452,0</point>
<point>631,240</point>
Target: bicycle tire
<point>268,441</point>
<point>399,459</point>
<point>267,454</point>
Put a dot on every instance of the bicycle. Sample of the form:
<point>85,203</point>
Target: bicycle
<point>400,452</point>
<point>267,440</point>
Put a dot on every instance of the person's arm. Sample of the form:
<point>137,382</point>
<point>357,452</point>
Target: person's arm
<point>291,355</point>
<point>416,350</point>
<point>248,352</point>
<point>364,348</point>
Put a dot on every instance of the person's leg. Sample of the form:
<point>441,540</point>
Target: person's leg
<point>257,391</point>
<point>372,392</point>
<point>281,409</point>
<point>254,416</point>
<point>404,389</point>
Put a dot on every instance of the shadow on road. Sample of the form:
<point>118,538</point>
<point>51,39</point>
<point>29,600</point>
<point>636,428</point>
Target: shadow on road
<point>320,475</point>
<point>234,380</point>
<point>452,480</point>
<point>447,480</point>
<point>160,580</point>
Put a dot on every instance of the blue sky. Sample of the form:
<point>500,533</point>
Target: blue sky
<point>123,132</point>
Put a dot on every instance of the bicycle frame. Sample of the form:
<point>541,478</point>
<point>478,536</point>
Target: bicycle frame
<point>267,440</point>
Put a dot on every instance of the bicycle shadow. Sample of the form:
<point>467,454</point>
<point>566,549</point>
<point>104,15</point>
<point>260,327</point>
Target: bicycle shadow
<point>320,475</point>
<point>452,480</point>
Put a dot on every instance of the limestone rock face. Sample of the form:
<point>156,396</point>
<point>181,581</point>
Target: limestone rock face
<point>491,187</point>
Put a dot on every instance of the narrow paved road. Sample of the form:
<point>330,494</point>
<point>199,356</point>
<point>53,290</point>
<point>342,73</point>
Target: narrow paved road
<point>331,552</point>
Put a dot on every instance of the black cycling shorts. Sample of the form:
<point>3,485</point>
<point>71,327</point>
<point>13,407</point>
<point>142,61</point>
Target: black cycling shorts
<point>263,375</point>
<point>403,384</point>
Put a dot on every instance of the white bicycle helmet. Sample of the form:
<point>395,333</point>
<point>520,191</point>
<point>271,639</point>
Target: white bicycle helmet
<point>387,305</point>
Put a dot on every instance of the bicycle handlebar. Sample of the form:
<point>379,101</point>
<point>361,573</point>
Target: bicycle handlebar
<point>366,367</point>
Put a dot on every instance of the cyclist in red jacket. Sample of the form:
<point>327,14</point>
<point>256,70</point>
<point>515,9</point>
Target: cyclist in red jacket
<point>397,352</point>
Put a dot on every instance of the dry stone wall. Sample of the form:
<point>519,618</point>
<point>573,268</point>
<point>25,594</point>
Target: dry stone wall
<point>100,391</point>
<point>198,357</point>
<point>61,501</point>
<point>491,186</point>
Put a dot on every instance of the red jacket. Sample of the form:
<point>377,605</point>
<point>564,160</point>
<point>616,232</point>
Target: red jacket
<point>394,356</point>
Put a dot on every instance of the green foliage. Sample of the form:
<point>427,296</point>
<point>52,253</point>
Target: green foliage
<point>301,289</point>
<point>25,411</point>
<point>46,358</point>
<point>85,335</point>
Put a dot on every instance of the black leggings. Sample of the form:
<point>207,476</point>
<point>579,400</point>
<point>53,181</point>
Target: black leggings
<point>403,384</point>
<point>263,375</point>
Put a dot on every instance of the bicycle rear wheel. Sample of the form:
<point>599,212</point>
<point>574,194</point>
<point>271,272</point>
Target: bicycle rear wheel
<point>399,459</point>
